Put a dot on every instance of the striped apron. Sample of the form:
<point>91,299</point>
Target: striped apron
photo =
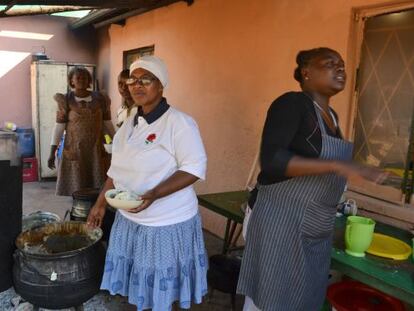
<point>286,260</point>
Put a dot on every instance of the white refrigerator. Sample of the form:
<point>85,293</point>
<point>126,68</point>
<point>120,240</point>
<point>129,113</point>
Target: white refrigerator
<point>47,79</point>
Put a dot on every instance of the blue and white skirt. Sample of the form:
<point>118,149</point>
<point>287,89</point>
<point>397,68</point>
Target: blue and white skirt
<point>156,266</point>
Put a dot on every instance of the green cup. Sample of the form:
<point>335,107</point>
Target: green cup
<point>358,235</point>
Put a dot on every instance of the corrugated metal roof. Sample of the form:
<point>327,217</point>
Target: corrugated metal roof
<point>85,3</point>
<point>101,11</point>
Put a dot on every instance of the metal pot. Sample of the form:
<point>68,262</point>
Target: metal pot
<point>83,200</point>
<point>38,219</point>
<point>59,265</point>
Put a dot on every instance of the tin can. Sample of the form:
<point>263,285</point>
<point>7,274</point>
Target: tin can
<point>349,207</point>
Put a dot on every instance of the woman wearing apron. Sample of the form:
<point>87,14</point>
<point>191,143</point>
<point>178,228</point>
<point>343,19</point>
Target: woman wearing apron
<point>86,117</point>
<point>304,167</point>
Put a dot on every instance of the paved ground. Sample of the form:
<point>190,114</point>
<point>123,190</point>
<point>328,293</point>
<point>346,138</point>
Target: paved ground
<point>39,196</point>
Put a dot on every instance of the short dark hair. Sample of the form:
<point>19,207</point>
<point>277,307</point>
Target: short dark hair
<point>79,70</point>
<point>304,57</point>
<point>124,74</point>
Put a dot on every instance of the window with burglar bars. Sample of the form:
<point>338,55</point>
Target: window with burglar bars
<point>385,107</point>
<point>131,55</point>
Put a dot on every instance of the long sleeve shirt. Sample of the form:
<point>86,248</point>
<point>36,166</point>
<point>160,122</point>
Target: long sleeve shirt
<point>291,128</point>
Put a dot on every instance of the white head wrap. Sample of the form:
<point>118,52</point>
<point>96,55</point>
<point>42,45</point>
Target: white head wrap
<point>154,65</point>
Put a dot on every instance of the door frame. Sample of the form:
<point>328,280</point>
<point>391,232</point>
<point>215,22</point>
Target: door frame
<point>387,210</point>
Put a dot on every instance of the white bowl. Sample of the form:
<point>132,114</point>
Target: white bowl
<point>108,148</point>
<point>121,204</point>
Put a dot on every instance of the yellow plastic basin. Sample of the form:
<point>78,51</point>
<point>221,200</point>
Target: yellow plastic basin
<point>389,247</point>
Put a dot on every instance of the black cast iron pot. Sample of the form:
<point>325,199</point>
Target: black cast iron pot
<point>59,265</point>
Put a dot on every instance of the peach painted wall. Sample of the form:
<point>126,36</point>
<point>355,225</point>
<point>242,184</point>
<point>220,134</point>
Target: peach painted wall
<point>66,46</point>
<point>227,61</point>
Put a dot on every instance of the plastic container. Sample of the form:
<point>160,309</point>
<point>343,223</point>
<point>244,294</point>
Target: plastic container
<point>29,169</point>
<point>358,235</point>
<point>386,246</point>
<point>355,296</point>
<point>26,146</point>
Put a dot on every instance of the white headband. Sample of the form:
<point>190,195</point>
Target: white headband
<point>154,65</point>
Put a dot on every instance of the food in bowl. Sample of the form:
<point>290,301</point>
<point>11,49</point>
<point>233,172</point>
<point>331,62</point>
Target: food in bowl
<point>123,199</point>
<point>126,196</point>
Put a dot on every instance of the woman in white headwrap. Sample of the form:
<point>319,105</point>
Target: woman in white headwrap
<point>156,252</point>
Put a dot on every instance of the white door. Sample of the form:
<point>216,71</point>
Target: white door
<point>47,80</point>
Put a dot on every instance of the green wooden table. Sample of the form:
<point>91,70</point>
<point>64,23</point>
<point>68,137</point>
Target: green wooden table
<point>395,278</point>
<point>227,204</point>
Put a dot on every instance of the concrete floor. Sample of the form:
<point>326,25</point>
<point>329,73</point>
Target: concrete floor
<point>39,196</point>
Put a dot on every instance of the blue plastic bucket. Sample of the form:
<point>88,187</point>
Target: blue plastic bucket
<point>25,145</point>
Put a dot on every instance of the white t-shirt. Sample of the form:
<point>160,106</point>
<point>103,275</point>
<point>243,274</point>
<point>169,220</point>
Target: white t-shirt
<point>147,154</point>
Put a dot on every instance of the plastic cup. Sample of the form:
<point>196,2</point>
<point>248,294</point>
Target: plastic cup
<point>358,235</point>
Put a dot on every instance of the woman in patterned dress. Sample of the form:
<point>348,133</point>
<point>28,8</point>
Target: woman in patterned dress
<point>85,116</point>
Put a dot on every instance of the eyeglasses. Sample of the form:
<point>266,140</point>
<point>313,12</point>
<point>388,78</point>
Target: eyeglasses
<point>146,81</point>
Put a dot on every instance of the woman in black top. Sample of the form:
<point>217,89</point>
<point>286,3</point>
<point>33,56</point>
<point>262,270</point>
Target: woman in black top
<point>304,167</point>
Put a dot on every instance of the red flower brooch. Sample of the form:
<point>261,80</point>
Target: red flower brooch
<point>150,138</point>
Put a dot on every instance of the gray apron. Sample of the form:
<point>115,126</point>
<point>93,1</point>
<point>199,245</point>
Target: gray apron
<point>286,260</point>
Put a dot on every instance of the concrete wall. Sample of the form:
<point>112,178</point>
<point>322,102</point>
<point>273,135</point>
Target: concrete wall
<point>228,60</point>
<point>64,45</point>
